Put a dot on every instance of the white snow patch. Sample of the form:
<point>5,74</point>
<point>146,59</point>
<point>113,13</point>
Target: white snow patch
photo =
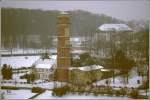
<point>105,70</point>
<point>50,85</point>
<point>46,63</point>
<point>87,68</point>
<point>18,94</point>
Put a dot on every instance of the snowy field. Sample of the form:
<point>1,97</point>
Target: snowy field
<point>48,95</point>
<point>18,94</point>
<point>19,82</point>
<point>21,61</point>
<point>119,81</point>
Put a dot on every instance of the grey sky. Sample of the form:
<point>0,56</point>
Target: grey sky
<point>126,10</point>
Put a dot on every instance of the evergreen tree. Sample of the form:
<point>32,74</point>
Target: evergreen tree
<point>7,72</point>
<point>123,63</point>
<point>4,71</point>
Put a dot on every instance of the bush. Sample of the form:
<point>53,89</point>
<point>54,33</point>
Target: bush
<point>120,92</point>
<point>109,91</point>
<point>134,93</point>
<point>60,91</point>
<point>145,85</point>
<point>9,87</point>
<point>37,90</point>
<point>95,93</point>
<point>123,91</point>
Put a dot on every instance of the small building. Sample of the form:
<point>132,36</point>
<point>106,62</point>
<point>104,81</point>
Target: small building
<point>44,69</point>
<point>85,75</point>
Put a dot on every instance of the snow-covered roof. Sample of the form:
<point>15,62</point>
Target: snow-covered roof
<point>87,68</point>
<point>53,57</point>
<point>104,70</point>
<point>78,51</point>
<point>114,27</point>
<point>73,39</point>
<point>64,13</point>
<point>44,63</point>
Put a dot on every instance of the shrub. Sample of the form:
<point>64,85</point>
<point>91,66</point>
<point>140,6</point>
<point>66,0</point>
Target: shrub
<point>95,93</point>
<point>60,91</point>
<point>109,91</point>
<point>120,92</point>
<point>134,93</point>
<point>37,90</point>
<point>145,85</point>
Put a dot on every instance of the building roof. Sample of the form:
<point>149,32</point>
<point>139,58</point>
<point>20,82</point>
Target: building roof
<point>87,68</point>
<point>64,13</point>
<point>44,63</point>
<point>114,27</point>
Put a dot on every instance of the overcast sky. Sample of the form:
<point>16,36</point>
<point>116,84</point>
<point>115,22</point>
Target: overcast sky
<point>125,10</point>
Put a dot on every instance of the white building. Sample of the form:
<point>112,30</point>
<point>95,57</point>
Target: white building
<point>114,27</point>
<point>111,35</point>
<point>44,69</point>
<point>106,31</point>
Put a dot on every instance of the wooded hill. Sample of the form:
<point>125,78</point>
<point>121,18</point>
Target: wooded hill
<point>18,25</point>
<point>26,28</point>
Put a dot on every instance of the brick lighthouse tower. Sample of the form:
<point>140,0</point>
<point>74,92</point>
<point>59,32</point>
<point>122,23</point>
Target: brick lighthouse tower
<point>63,47</point>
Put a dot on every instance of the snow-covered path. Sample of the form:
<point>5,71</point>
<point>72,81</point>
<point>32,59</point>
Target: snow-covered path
<point>48,95</point>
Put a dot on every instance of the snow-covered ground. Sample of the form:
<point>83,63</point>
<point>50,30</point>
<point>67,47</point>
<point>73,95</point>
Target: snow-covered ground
<point>49,85</point>
<point>26,51</point>
<point>46,85</point>
<point>87,68</point>
<point>21,61</point>
<point>48,95</point>
<point>18,94</point>
<point>119,80</point>
<point>23,82</point>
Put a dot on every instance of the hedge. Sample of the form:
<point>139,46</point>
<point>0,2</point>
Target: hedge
<point>9,87</point>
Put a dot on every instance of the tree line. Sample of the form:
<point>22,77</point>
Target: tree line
<point>26,28</point>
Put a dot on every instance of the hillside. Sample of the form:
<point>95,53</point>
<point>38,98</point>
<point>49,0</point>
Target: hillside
<point>18,25</point>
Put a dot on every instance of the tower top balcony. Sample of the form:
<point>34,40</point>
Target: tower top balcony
<point>63,18</point>
<point>63,14</point>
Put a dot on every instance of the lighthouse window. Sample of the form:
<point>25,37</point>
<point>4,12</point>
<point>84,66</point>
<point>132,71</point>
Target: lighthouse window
<point>67,31</point>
